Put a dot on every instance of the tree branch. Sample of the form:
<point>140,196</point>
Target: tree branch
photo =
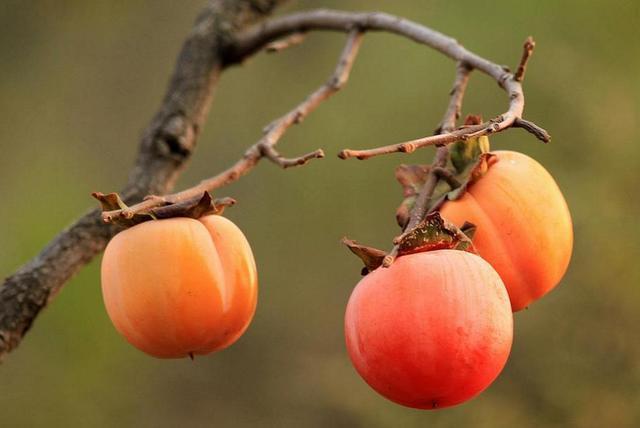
<point>454,108</point>
<point>412,145</point>
<point>265,147</point>
<point>220,38</point>
<point>540,133</point>
<point>375,21</point>
<point>448,122</point>
<point>166,145</point>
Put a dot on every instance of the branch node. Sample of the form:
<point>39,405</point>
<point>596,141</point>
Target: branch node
<point>407,148</point>
<point>285,43</point>
<point>298,117</point>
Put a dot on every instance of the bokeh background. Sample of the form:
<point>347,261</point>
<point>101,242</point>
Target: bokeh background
<point>80,80</point>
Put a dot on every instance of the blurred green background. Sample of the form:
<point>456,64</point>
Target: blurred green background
<point>80,80</point>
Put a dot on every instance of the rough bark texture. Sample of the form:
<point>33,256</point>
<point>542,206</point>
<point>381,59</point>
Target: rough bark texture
<point>166,145</point>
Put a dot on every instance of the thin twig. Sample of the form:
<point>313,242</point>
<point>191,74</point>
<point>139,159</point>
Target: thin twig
<point>169,140</point>
<point>527,51</point>
<point>265,147</point>
<point>275,157</point>
<point>454,108</point>
<point>423,200</point>
<point>534,129</point>
<point>375,21</point>
<point>421,205</point>
<point>166,145</point>
<point>432,140</point>
<point>447,176</point>
<point>277,28</point>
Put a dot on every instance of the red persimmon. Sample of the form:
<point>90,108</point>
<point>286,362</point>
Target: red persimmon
<point>431,331</point>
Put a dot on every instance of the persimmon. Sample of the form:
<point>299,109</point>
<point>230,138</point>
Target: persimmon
<point>432,330</point>
<point>179,287</point>
<point>524,227</point>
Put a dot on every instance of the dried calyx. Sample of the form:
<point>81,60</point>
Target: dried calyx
<point>115,211</point>
<point>467,162</point>
<point>433,233</point>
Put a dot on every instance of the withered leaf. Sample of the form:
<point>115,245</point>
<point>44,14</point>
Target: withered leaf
<point>372,257</point>
<point>109,201</point>
<point>193,208</point>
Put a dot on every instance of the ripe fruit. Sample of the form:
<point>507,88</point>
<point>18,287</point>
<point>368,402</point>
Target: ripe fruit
<point>180,286</point>
<point>432,330</point>
<point>523,225</point>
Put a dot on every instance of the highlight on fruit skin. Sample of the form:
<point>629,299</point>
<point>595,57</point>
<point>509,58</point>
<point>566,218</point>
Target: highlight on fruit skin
<point>180,287</point>
<point>433,330</point>
<point>524,227</point>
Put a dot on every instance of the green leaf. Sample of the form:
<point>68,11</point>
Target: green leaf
<point>466,153</point>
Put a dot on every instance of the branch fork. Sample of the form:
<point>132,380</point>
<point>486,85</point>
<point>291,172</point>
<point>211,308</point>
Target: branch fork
<point>221,38</point>
<point>424,203</point>
<point>264,148</point>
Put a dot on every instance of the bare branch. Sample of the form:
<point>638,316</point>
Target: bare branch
<point>275,157</point>
<point>257,37</point>
<point>215,43</point>
<point>447,176</point>
<point>421,205</point>
<point>454,108</point>
<point>527,51</point>
<point>437,168</point>
<point>432,140</point>
<point>265,147</point>
<point>540,133</point>
<point>166,145</point>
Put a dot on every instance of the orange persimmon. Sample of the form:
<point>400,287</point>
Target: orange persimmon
<point>523,224</point>
<point>179,287</point>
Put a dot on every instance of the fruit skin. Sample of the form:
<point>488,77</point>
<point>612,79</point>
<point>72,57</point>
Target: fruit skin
<point>432,330</point>
<point>524,227</point>
<point>180,286</point>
